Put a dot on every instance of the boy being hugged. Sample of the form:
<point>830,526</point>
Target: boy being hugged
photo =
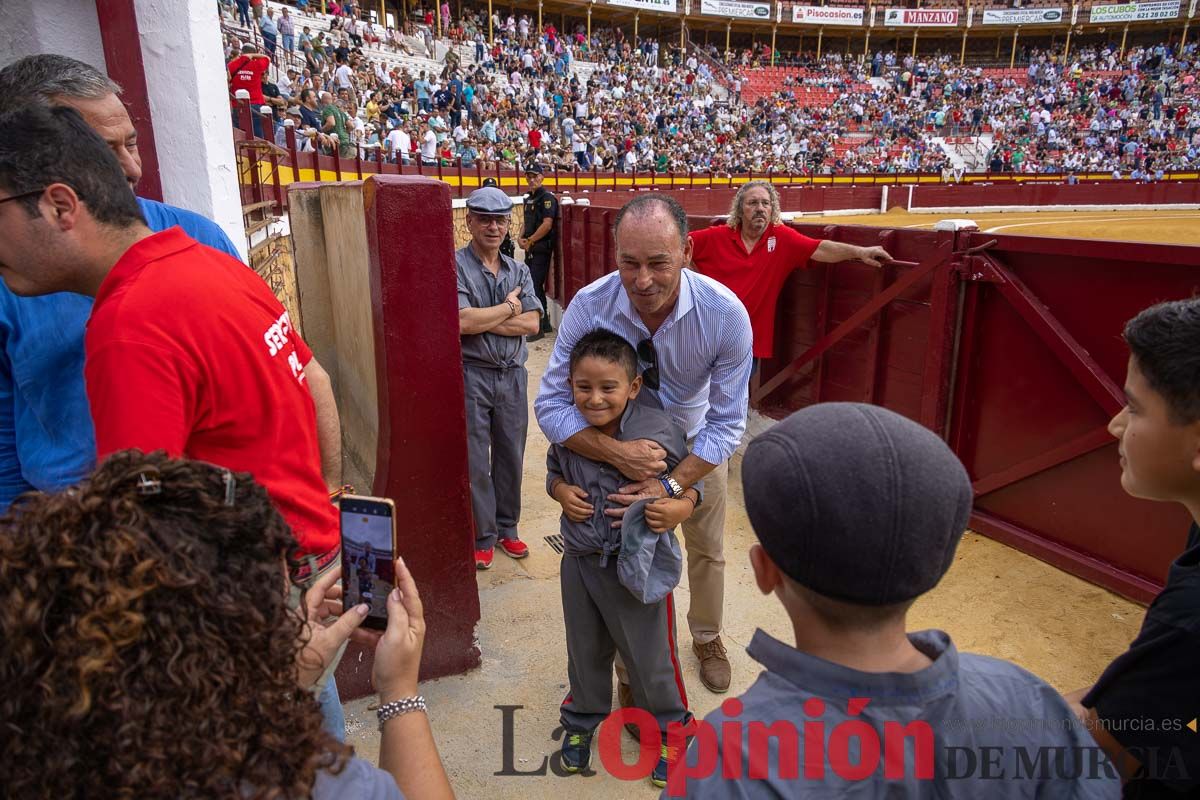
<point>617,581</point>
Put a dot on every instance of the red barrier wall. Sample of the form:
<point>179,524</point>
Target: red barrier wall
<point>716,201</point>
<point>422,457</point>
<point>1009,347</point>
<point>1029,194</point>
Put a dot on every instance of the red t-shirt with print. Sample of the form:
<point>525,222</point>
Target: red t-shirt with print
<point>755,277</point>
<point>189,351</point>
<point>245,72</point>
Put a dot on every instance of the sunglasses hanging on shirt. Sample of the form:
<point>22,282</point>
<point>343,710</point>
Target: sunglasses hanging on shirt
<point>647,353</point>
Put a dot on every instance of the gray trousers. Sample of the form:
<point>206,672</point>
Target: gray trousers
<point>497,421</point>
<point>602,619</point>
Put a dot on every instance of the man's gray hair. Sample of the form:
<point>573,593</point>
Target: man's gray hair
<point>46,78</point>
<point>735,209</point>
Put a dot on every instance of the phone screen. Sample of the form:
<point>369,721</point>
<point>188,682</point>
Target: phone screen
<point>368,553</point>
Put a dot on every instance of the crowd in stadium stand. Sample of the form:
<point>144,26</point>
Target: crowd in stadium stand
<point>644,105</point>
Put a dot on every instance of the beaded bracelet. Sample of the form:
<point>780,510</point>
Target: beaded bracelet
<point>397,707</point>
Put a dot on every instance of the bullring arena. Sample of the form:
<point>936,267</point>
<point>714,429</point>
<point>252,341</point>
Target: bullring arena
<point>997,326</point>
<point>1021,609</point>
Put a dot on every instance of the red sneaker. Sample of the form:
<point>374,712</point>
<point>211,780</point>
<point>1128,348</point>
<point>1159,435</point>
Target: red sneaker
<point>514,548</point>
<point>483,559</point>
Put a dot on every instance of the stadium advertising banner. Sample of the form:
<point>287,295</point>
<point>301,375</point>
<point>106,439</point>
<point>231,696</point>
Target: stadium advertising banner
<point>1136,12</point>
<point>732,8</point>
<point>828,15</point>
<point>921,17</point>
<point>646,5</point>
<point>1022,16</point>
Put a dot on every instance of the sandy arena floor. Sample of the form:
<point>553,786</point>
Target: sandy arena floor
<point>1164,227</point>
<point>994,601</point>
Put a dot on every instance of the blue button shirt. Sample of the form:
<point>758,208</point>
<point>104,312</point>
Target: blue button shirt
<point>46,437</point>
<point>704,358</point>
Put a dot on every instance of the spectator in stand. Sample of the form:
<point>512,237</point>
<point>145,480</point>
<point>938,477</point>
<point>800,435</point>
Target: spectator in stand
<point>287,29</point>
<point>243,7</point>
<point>398,144</point>
<point>428,146</point>
<point>247,72</point>
<point>229,382</point>
<point>203,622</point>
<point>270,32</point>
<point>754,252</point>
<point>335,124</point>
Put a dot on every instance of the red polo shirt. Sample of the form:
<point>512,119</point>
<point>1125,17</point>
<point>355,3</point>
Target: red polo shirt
<point>188,351</point>
<point>245,72</point>
<point>755,277</point>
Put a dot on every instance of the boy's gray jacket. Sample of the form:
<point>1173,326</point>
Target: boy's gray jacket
<point>641,420</point>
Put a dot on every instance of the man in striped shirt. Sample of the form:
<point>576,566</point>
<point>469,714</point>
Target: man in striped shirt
<point>694,342</point>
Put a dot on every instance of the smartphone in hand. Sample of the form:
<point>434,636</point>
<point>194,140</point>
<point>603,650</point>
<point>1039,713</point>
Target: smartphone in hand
<point>368,555</point>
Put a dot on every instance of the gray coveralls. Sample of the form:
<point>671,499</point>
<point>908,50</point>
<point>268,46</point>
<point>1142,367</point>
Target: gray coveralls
<point>602,616</point>
<point>495,380</point>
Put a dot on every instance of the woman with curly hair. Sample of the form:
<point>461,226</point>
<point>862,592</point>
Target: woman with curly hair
<point>149,650</point>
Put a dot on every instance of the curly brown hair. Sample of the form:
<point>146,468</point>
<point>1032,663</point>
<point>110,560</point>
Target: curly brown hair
<point>148,646</point>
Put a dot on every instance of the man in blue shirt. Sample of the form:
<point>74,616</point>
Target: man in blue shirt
<point>46,436</point>
<point>693,339</point>
<point>47,441</point>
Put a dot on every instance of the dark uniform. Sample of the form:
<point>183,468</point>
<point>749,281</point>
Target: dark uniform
<point>540,205</point>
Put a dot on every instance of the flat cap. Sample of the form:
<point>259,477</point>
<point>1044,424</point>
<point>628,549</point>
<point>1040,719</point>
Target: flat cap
<point>489,200</point>
<point>856,503</point>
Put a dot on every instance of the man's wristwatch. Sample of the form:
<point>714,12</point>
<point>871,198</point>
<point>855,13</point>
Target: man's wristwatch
<point>670,485</point>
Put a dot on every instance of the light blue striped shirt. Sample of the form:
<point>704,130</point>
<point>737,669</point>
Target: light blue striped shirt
<point>704,360</point>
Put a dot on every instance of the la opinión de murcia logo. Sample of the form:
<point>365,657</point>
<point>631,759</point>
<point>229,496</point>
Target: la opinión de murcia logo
<point>852,750</point>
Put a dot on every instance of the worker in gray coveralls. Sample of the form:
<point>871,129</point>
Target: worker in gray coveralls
<point>497,309</point>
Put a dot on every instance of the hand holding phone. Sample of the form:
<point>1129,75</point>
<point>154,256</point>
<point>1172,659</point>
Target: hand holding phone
<point>326,627</point>
<point>398,654</point>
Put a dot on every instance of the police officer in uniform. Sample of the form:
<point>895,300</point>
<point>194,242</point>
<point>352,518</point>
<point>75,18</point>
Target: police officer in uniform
<point>497,309</point>
<point>538,238</point>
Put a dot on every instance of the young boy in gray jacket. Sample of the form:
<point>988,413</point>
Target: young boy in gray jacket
<point>603,567</point>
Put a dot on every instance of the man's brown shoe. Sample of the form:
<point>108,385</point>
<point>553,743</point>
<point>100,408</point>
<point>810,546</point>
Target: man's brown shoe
<point>714,665</point>
<point>625,698</point>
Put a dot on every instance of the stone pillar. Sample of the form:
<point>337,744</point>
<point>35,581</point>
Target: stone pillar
<point>185,67</point>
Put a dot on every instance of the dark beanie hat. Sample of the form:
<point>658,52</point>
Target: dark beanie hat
<point>856,503</point>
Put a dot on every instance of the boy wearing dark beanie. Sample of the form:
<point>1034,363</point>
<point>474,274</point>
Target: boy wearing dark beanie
<point>858,512</point>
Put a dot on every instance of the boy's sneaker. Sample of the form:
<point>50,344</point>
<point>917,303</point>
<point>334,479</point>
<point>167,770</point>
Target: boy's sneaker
<point>483,558</point>
<point>577,750</point>
<point>514,548</point>
<point>667,757</point>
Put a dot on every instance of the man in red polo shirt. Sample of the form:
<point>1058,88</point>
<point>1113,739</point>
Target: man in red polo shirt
<point>186,350</point>
<point>754,253</point>
<point>246,71</point>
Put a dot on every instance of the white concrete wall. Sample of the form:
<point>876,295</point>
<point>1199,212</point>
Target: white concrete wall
<point>189,102</point>
<point>69,27</point>
<point>185,78</point>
